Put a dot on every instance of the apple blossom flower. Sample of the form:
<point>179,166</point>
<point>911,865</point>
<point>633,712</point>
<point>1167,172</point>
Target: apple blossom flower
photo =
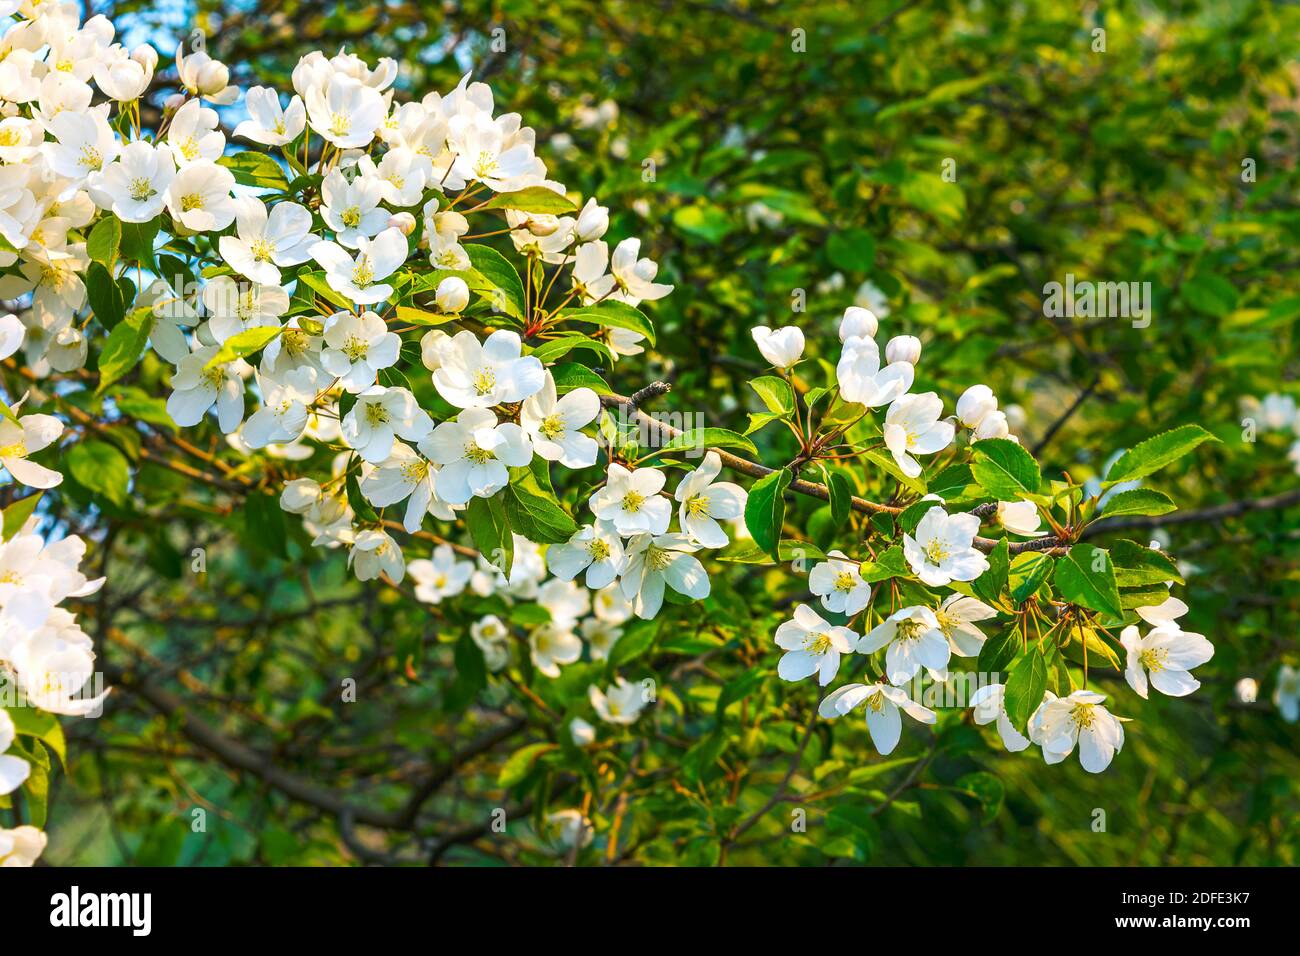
<point>442,576</point>
<point>236,307</point>
<point>381,416</point>
<point>1167,652</point>
<point>957,616</point>
<point>703,501</point>
<point>13,770</point>
<point>21,846</point>
<point>474,453</point>
<point>590,281</point>
<point>480,375</point>
<point>634,276</point>
<point>912,426</point>
<point>782,347</point>
<point>452,295</point>
<point>32,434</point>
<point>199,197</point>
<point>493,639</point>
<point>196,388</point>
<point>1060,723</point>
<point>265,243</point>
<point>621,703</point>
<point>193,135</point>
<point>83,144</point>
<point>838,582</point>
<point>357,347</point>
<point>485,155</point>
<point>989,704</point>
<point>596,549</point>
<point>360,278</point>
<point>1286,693</point>
<point>203,76</point>
<point>601,636</point>
<point>883,704</point>
<point>812,646</point>
<point>654,561</point>
<point>582,733</point>
<point>550,646</point>
<point>993,425</point>
<point>406,476</point>
<point>345,112</point>
<point>552,424</point>
<point>269,123</point>
<point>914,641</point>
<point>863,381</point>
<point>630,500</point>
<point>609,605</point>
<point>283,414</point>
<point>134,188</point>
<point>592,221</point>
<point>375,553</point>
<point>352,209</point>
<point>942,551</point>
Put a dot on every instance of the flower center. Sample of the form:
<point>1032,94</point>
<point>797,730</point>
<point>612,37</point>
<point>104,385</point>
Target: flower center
<point>817,643</point>
<point>191,202</point>
<point>485,381</point>
<point>141,189</point>
<point>213,377</point>
<point>376,414</point>
<point>656,559</point>
<point>844,581</point>
<point>340,124</point>
<point>1153,658</point>
<point>552,427</point>
<point>91,158</point>
<point>261,250</point>
<point>189,149</point>
<point>936,552</point>
<point>478,455</point>
<point>355,348</point>
<point>415,471</point>
<point>363,273</point>
<point>16,450</point>
<point>598,549</point>
<point>1082,715</point>
<point>876,701</point>
<point>909,630</point>
<point>697,505</point>
<point>632,501</point>
<point>352,217</point>
<point>486,165</point>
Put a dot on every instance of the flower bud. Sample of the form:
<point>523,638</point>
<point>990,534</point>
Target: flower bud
<point>583,733</point>
<point>903,348</point>
<point>976,402</point>
<point>592,221</point>
<point>1020,517</point>
<point>432,348</point>
<point>782,347</point>
<point>452,294</point>
<point>213,77</point>
<point>544,226</point>
<point>174,102</point>
<point>858,322</point>
<point>146,56</point>
<point>992,425</point>
<point>403,222</point>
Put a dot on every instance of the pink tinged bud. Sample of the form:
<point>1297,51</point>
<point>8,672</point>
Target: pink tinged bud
<point>903,348</point>
<point>452,294</point>
<point>858,322</point>
<point>175,101</point>
<point>403,222</point>
<point>976,402</point>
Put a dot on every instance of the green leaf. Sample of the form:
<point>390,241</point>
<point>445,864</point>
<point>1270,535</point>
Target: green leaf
<point>841,495</point>
<point>316,282</point>
<point>613,315</point>
<point>255,169</point>
<point>698,439</point>
<point>1028,571</point>
<point>886,463</point>
<point>125,345</point>
<point>137,241</point>
<point>571,375</point>
<point>999,651</point>
<point>990,585</point>
<point>985,788</point>
<point>1085,576</point>
<point>1138,501</point>
<point>853,250</point>
<point>1138,566</point>
<point>537,199</point>
<point>1025,688</point>
<point>101,468</point>
<point>104,296</point>
<point>1157,452</point>
<point>520,763</point>
<point>414,316</point>
<point>1004,469</point>
<point>496,279</point>
<point>243,344</point>
<point>533,510</point>
<point>104,241</point>
<point>45,727</point>
<point>765,510</point>
<point>486,520</point>
<point>16,515</point>
<point>776,394</point>
<point>552,349</point>
<point>358,502</point>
